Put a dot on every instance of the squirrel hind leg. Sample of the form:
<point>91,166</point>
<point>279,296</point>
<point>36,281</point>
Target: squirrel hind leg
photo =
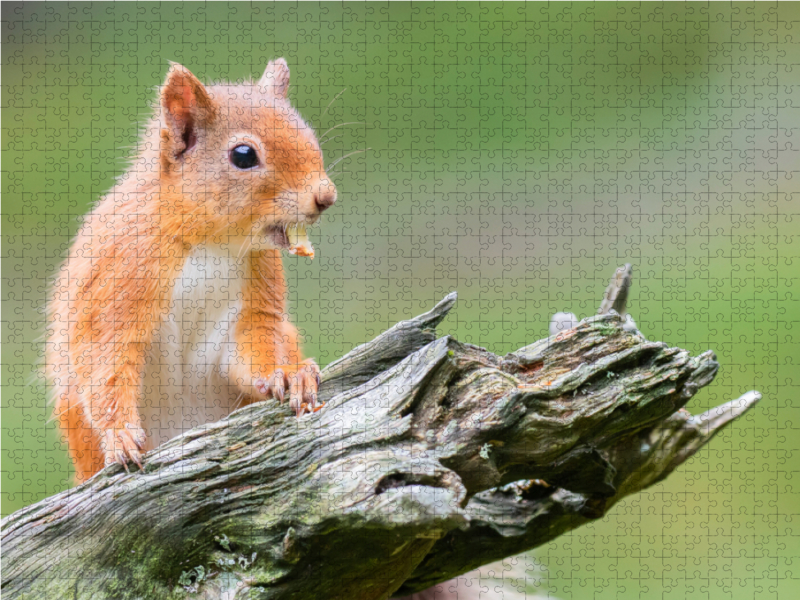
<point>83,441</point>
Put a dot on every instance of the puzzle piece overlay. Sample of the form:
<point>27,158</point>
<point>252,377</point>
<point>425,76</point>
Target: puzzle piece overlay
<point>517,154</point>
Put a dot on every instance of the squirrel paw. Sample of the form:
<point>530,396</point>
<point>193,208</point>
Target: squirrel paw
<point>123,444</point>
<point>303,386</point>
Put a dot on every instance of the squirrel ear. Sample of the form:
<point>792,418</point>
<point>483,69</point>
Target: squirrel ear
<point>187,106</point>
<point>275,79</point>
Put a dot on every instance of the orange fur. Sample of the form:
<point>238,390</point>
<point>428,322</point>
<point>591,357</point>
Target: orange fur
<point>181,191</point>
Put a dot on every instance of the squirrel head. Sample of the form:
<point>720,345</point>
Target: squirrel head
<point>241,156</point>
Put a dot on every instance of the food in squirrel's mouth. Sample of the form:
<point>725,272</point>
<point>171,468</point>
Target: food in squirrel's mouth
<point>293,238</point>
<point>299,243</point>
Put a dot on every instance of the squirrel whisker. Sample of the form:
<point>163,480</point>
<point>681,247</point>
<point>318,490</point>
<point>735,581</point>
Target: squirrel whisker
<point>342,125</point>
<point>331,139</point>
<point>331,102</point>
<point>341,158</point>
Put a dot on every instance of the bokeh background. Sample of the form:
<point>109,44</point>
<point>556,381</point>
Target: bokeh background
<point>517,154</point>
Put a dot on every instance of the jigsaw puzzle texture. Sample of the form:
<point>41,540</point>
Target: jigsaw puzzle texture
<point>514,153</point>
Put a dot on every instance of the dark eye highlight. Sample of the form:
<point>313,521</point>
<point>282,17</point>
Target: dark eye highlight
<point>244,157</point>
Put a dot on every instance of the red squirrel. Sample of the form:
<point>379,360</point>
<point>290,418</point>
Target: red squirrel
<point>170,310</point>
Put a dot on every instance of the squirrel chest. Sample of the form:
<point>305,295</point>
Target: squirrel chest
<point>186,373</point>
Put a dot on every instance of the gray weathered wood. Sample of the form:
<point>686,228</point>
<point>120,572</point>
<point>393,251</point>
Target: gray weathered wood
<point>430,457</point>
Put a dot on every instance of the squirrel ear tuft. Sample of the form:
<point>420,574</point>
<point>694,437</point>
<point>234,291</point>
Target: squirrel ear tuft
<point>187,106</point>
<point>275,79</point>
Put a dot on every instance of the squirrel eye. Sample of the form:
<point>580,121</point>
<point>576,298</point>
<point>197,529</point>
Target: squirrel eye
<point>244,157</point>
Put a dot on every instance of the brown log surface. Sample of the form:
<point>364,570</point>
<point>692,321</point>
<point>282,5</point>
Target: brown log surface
<point>431,457</point>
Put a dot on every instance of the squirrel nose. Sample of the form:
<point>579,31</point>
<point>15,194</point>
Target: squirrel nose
<point>325,198</point>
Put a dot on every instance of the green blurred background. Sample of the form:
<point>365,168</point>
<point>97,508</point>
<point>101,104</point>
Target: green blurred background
<point>518,153</point>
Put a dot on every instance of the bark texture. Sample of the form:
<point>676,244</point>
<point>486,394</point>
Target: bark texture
<point>430,458</point>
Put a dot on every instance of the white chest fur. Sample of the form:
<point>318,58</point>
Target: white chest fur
<point>185,381</point>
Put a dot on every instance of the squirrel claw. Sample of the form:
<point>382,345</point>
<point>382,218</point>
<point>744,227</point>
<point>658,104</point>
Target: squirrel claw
<point>274,386</point>
<point>137,458</point>
<point>298,407</point>
<point>302,386</point>
<point>121,460</point>
<point>278,386</point>
<point>123,445</point>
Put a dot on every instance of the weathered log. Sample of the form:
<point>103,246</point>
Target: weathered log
<point>431,457</point>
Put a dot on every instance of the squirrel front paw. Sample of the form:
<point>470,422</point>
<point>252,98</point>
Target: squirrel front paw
<point>123,443</point>
<point>303,386</point>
